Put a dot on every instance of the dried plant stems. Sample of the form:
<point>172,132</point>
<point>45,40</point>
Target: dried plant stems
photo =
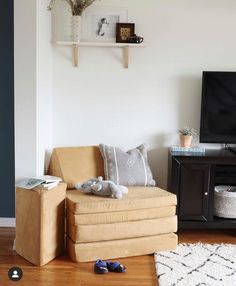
<point>77,6</point>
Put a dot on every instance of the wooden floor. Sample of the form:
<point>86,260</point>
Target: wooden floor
<point>61,271</point>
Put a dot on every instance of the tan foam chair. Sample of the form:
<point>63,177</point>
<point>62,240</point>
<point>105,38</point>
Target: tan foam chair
<point>143,222</point>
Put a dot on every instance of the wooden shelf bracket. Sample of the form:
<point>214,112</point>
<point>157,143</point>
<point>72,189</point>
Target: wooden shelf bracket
<point>76,49</point>
<point>75,52</point>
<point>126,57</point>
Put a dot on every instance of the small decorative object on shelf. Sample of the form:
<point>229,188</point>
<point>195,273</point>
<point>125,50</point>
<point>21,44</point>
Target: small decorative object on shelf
<point>99,23</point>
<point>124,31</point>
<point>77,8</point>
<point>135,39</point>
<point>186,136</point>
<point>76,28</point>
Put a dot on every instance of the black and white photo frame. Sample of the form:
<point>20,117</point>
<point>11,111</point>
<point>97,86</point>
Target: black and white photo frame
<point>99,23</point>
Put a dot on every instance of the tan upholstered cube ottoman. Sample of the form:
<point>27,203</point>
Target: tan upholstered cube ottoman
<point>40,223</point>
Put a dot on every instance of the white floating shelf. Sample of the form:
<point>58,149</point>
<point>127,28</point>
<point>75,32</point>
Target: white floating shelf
<point>75,49</point>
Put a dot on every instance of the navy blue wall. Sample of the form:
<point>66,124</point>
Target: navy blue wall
<point>7,173</point>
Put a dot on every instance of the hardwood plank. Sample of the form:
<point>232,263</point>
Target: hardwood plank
<point>208,236</point>
<point>61,271</point>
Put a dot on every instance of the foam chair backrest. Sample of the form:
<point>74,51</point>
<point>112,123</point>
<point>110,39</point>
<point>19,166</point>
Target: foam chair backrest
<point>76,164</point>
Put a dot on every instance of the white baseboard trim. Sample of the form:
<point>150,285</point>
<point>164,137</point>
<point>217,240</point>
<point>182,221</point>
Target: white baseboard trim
<point>7,222</point>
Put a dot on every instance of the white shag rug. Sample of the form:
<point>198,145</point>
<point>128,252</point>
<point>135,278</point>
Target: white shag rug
<point>197,265</point>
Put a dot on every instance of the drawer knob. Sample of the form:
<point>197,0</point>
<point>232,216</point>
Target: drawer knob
<point>206,193</point>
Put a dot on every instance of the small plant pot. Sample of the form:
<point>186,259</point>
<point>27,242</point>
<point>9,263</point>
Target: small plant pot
<point>185,140</point>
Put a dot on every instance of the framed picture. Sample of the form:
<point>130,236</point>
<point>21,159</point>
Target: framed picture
<point>124,31</point>
<point>99,23</point>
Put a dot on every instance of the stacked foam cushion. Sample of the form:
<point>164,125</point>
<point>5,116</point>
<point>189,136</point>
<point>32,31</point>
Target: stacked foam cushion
<point>142,222</point>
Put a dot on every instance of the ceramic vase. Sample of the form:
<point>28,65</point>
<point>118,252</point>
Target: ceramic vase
<point>76,28</point>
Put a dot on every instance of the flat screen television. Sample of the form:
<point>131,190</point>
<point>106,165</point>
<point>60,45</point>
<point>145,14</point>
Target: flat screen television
<point>218,109</point>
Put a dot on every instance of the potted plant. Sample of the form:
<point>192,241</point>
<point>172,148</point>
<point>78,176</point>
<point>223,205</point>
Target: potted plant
<point>77,8</point>
<point>186,136</point>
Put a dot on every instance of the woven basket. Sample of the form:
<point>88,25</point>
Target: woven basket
<point>225,201</point>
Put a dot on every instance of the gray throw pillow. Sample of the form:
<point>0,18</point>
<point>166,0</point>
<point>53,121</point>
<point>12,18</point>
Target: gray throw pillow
<point>127,168</point>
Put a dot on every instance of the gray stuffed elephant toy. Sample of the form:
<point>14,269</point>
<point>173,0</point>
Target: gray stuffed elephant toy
<point>100,187</point>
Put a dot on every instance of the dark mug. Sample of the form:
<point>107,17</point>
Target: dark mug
<point>135,39</point>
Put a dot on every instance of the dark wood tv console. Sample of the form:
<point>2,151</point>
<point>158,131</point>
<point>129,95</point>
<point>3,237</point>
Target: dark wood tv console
<point>192,178</point>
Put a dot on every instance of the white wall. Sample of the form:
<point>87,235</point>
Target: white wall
<point>160,92</point>
<point>102,102</point>
<point>33,87</point>
<point>25,88</point>
<point>44,86</point>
